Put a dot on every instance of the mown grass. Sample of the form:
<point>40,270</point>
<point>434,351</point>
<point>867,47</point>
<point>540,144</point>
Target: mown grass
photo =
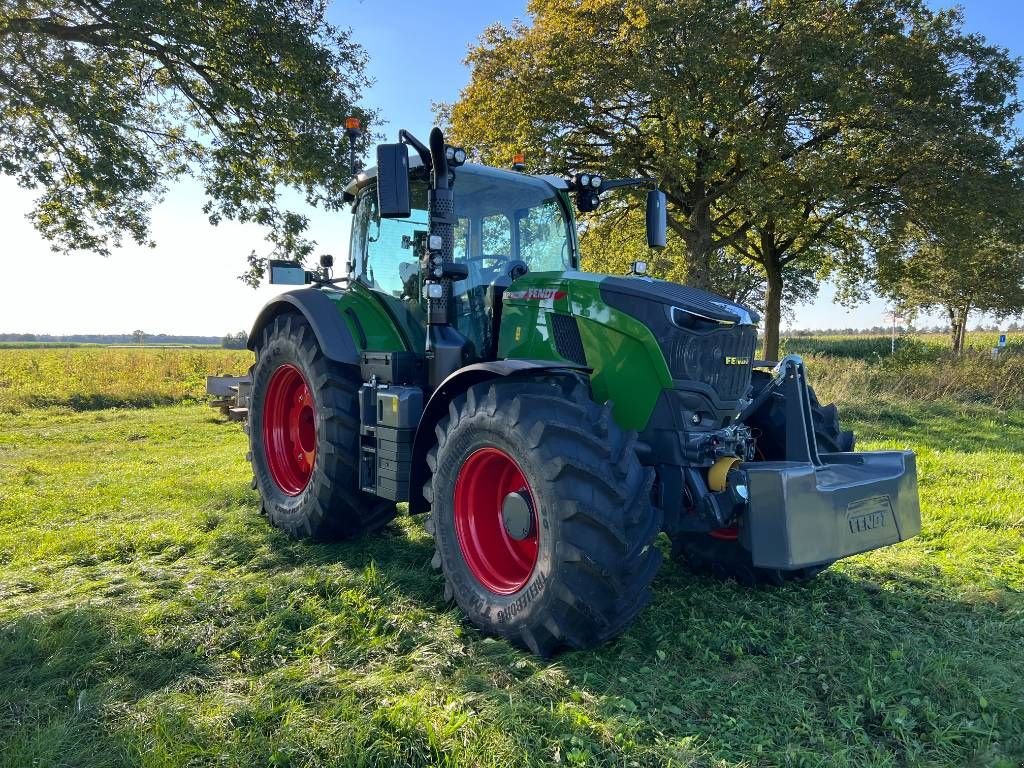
<point>149,616</point>
<point>90,378</point>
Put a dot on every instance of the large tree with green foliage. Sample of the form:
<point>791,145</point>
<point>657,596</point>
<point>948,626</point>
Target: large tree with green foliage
<point>776,128</point>
<point>957,248</point>
<point>104,102</point>
<point>956,278</point>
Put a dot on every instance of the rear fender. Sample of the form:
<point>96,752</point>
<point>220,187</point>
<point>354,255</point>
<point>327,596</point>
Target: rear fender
<point>455,385</point>
<point>323,316</point>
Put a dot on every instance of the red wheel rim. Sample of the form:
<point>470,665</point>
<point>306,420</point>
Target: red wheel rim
<point>501,563</point>
<point>289,429</point>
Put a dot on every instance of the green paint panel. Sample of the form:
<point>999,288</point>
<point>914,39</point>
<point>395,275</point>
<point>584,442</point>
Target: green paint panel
<point>382,333</point>
<point>628,366</point>
<point>525,323</point>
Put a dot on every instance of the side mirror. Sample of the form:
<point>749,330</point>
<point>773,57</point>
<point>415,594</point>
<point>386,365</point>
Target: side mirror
<point>393,181</point>
<point>287,272</point>
<point>657,219</point>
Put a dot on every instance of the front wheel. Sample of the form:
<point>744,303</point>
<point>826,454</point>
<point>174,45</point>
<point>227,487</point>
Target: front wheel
<point>541,515</point>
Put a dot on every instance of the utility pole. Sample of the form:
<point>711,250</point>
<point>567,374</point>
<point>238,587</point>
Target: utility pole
<point>892,315</point>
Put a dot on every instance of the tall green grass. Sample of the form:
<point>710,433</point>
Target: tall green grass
<point>103,377</point>
<point>932,346</point>
<point>852,368</point>
<point>971,378</point>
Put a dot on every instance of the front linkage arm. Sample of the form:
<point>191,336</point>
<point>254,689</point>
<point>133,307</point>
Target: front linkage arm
<point>718,506</point>
<point>789,379</point>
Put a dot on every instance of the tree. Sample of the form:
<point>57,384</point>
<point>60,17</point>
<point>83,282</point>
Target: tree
<point>777,129</point>
<point>956,277</point>
<point>235,340</point>
<point>104,102</point>
<point>139,337</point>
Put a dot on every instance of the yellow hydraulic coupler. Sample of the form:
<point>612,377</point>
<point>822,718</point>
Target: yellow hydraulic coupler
<point>719,471</point>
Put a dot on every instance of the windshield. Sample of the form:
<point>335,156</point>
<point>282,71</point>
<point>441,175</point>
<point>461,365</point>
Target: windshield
<point>502,217</point>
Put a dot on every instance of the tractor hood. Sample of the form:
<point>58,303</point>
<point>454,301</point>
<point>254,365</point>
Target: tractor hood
<point>692,301</point>
<point>640,337</point>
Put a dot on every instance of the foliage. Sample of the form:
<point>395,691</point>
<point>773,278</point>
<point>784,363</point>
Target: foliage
<point>104,102</point>
<point>778,129</point>
<point>611,243</point>
<point>957,276</point>
<point>89,378</point>
<point>235,340</point>
<point>148,620</point>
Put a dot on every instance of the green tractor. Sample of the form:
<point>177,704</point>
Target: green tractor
<point>552,422</point>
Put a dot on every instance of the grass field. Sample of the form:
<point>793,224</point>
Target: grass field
<point>87,378</point>
<point>149,616</point>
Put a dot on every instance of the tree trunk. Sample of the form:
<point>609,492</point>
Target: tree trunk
<point>701,248</point>
<point>958,323</point>
<point>772,307</point>
<point>963,329</point>
<point>695,231</point>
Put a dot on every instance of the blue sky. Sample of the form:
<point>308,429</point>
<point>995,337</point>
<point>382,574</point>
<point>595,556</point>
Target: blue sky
<point>187,283</point>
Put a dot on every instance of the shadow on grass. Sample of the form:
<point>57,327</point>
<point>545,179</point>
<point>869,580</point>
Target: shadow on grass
<point>871,667</point>
<point>865,665</point>
<point>61,670</point>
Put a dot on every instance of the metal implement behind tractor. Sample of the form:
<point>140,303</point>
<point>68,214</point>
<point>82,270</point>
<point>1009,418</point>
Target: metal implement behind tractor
<point>551,421</point>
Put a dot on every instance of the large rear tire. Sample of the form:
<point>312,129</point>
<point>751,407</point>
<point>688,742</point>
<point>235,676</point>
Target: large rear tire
<point>304,437</point>
<point>541,515</point>
<point>720,554</point>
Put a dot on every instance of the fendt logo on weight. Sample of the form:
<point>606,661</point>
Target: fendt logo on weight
<point>869,514</point>
<point>733,360</point>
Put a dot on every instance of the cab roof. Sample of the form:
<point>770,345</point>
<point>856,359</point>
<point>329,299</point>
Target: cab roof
<point>367,175</point>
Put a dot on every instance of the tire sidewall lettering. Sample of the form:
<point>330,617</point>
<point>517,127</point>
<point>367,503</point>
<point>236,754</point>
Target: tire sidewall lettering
<point>479,603</point>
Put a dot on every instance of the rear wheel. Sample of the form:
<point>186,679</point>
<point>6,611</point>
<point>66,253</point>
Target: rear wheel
<point>719,553</point>
<point>304,437</point>
<point>541,515</point>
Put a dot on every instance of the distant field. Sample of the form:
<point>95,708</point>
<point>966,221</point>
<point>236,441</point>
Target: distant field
<point>108,377</point>
<point>149,616</point>
<point>922,346</point>
<point>77,344</point>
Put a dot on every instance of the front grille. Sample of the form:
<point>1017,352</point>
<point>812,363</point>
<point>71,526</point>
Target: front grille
<point>567,338</point>
<point>703,357</point>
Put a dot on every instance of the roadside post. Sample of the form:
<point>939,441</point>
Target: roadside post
<point>1000,345</point>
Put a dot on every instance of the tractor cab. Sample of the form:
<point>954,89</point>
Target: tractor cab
<point>507,224</point>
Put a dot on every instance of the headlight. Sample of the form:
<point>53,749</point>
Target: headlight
<point>595,181</point>
<point>584,180</point>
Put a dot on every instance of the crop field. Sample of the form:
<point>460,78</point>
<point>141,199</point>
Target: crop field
<point>149,616</point>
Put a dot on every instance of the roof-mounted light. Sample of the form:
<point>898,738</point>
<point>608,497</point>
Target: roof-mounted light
<point>454,155</point>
